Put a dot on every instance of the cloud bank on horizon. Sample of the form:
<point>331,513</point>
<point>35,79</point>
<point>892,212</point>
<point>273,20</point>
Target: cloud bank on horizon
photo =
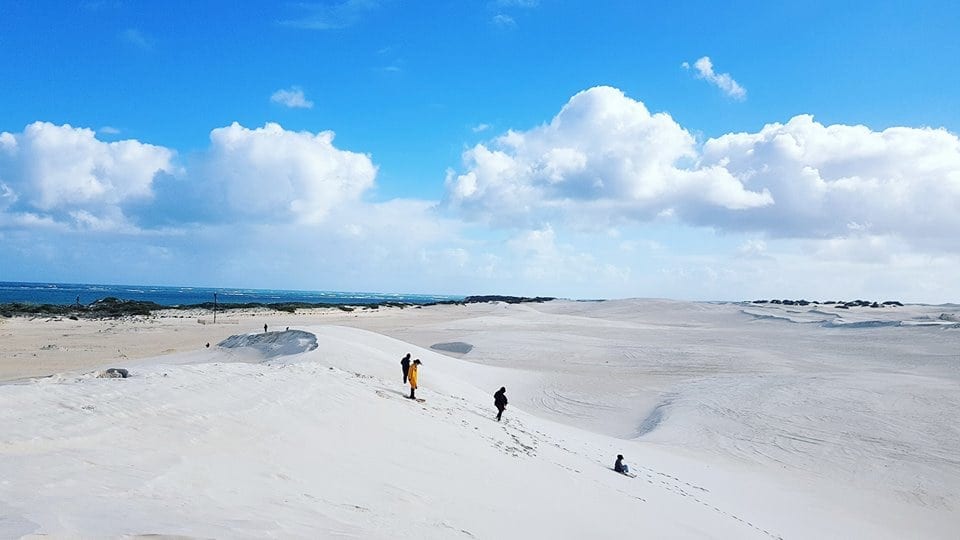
<point>561,200</point>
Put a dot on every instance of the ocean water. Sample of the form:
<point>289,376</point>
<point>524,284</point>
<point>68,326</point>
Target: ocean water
<point>69,293</point>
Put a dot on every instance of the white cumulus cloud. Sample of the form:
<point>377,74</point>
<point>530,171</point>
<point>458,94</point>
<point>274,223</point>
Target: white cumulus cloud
<point>604,156</point>
<point>66,173</point>
<point>293,98</point>
<point>704,70</point>
<point>272,173</point>
<point>832,181</point>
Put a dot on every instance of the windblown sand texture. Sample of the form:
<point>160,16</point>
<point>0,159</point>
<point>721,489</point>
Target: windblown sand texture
<point>740,421</point>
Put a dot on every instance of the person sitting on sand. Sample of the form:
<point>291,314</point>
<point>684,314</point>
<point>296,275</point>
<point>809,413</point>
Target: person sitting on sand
<point>405,366</point>
<point>500,401</point>
<point>412,376</point>
<point>620,466</point>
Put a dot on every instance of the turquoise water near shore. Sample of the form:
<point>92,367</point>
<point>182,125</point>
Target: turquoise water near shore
<point>71,293</point>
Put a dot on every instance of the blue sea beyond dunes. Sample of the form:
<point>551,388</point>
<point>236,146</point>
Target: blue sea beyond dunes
<point>71,293</point>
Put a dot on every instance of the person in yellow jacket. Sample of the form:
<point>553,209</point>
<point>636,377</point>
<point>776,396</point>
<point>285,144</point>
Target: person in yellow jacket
<point>412,377</point>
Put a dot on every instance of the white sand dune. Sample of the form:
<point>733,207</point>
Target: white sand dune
<point>738,426</point>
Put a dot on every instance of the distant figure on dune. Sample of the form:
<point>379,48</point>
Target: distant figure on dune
<point>405,366</point>
<point>620,466</point>
<point>412,375</point>
<point>500,401</point>
<point>264,328</point>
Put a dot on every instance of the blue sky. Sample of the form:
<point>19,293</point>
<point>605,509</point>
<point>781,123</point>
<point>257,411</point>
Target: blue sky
<point>579,149</point>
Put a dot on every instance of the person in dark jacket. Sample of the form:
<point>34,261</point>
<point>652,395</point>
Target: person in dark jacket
<point>500,401</point>
<point>405,366</point>
<point>620,466</point>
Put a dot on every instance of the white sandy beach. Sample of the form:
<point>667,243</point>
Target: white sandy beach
<point>741,421</point>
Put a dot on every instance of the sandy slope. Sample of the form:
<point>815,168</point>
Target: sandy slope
<point>742,422</point>
<point>321,446</point>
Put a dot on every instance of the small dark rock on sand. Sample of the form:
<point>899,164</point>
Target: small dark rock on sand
<point>115,373</point>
